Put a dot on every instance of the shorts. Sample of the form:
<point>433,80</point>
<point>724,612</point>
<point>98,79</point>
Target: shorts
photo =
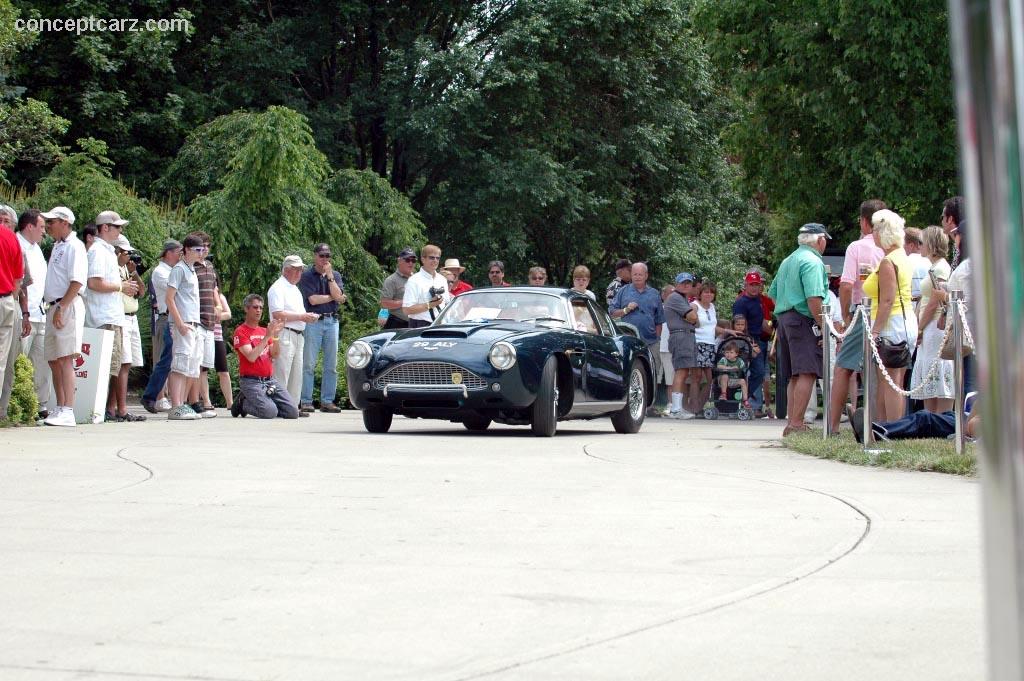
<point>705,355</point>
<point>186,353</point>
<point>797,350</point>
<point>220,356</point>
<point>131,352</point>
<point>117,348</point>
<point>851,352</point>
<point>669,370</point>
<point>68,340</point>
<point>683,346</point>
<point>207,351</point>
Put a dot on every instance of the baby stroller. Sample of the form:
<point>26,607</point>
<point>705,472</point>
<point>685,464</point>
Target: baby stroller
<point>732,407</point>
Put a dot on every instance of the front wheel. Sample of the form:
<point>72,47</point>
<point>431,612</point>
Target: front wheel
<point>631,417</point>
<point>377,419</point>
<point>544,419</point>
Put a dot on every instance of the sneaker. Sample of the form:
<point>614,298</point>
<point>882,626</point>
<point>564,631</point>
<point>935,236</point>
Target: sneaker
<point>685,415</point>
<point>307,408</point>
<point>236,406</point>
<point>209,412</point>
<point>149,405</point>
<point>163,404</point>
<point>182,413</point>
<point>330,408</point>
<point>63,416</point>
<point>304,414</point>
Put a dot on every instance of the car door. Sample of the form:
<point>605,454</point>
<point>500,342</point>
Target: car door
<point>604,381</point>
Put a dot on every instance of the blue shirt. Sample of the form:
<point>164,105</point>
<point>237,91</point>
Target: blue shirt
<point>752,310</point>
<point>313,283</point>
<point>646,317</point>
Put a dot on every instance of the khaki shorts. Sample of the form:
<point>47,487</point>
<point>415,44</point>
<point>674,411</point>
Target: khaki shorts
<point>132,342</point>
<point>117,351</point>
<point>67,341</point>
<point>187,353</point>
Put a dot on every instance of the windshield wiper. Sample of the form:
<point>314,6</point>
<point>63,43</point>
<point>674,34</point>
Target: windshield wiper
<point>544,319</point>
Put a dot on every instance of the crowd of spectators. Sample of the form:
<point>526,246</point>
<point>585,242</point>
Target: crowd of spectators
<point>699,351</point>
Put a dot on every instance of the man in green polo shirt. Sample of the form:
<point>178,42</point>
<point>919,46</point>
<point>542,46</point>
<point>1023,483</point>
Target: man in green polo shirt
<point>798,290</point>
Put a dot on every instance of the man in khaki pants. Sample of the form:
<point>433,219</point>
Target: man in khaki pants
<point>285,302</point>
<point>12,269</point>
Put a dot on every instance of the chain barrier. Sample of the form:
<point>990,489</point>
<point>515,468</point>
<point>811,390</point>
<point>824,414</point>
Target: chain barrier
<point>968,338</point>
<point>932,370</point>
<point>832,329</point>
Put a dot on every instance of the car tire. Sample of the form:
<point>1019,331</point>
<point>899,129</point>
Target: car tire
<point>631,417</point>
<point>377,419</point>
<point>544,416</point>
<point>477,425</point>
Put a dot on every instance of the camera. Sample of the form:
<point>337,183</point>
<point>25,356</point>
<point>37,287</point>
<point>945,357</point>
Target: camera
<point>136,258</point>
<point>437,291</point>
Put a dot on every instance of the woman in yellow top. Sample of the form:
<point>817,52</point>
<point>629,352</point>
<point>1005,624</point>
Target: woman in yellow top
<point>891,305</point>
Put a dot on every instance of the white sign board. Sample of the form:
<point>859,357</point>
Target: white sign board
<point>92,376</point>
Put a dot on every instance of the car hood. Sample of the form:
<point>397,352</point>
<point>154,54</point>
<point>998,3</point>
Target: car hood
<point>433,339</point>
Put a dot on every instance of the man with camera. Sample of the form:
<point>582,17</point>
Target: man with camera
<point>323,293</point>
<point>131,337</point>
<point>426,291</point>
<point>259,394</point>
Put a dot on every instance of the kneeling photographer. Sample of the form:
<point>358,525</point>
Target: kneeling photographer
<point>259,394</point>
<point>426,292</point>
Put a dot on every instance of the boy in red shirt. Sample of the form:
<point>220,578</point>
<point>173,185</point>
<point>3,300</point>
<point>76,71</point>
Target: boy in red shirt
<point>259,394</point>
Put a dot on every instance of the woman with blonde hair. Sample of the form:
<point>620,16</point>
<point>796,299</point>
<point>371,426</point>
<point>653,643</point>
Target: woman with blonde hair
<point>581,280</point>
<point>937,393</point>
<point>892,310</point>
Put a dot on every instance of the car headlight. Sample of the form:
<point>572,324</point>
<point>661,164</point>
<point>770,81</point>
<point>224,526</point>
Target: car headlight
<point>359,354</point>
<point>502,356</point>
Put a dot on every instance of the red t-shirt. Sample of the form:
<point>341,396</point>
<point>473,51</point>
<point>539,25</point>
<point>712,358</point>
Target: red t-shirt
<point>11,265</point>
<point>252,335</point>
<point>461,287</point>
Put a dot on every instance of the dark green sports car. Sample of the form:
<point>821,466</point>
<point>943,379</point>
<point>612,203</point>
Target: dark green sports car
<point>516,355</point>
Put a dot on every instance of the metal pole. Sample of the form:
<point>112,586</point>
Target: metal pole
<point>866,375</point>
<point>955,301</point>
<point>988,68</point>
<point>826,366</point>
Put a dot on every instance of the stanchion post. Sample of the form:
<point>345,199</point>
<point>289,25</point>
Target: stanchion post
<point>867,377</point>
<point>826,367</point>
<point>956,299</point>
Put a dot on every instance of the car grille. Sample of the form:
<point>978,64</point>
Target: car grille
<point>428,374</point>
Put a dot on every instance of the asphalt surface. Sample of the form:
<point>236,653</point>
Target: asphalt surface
<point>233,549</point>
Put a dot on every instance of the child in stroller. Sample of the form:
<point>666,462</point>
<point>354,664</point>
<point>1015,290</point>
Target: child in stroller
<point>732,363</point>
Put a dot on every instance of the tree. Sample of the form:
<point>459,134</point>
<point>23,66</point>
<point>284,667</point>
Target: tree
<point>842,100</point>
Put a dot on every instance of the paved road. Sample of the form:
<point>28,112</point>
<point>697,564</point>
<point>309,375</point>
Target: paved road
<point>244,550</point>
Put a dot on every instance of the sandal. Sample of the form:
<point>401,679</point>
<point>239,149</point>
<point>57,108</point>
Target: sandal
<point>131,417</point>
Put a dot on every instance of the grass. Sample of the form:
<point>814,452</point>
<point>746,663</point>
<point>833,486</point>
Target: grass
<point>917,455</point>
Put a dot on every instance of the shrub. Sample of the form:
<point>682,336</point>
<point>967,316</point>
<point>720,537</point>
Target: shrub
<point>24,405</point>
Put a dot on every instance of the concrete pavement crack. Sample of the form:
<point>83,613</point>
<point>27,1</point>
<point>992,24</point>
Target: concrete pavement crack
<point>714,605</point>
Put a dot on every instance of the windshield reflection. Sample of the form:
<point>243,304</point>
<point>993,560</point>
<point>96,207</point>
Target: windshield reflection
<point>479,307</point>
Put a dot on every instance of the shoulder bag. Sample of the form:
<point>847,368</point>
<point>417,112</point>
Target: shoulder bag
<point>895,355</point>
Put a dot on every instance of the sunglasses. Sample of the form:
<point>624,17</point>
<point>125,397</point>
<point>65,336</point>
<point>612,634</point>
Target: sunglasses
<point>409,259</point>
<point>323,255</point>
<point>432,257</point>
<point>198,249</point>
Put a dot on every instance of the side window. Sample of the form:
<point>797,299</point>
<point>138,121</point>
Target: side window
<point>583,319</point>
<point>603,320</point>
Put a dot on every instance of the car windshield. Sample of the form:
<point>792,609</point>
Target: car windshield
<point>486,305</point>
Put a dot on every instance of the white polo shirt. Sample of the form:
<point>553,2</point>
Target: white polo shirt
<point>158,282</point>
<point>68,263</point>
<point>104,308</point>
<point>417,292</point>
<point>37,268</point>
<point>284,296</point>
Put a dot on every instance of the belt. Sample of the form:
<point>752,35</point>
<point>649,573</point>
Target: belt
<point>256,378</point>
<point>161,314</point>
<point>6,295</point>
<point>295,331</point>
<point>130,314</point>
<point>192,324</point>
<point>329,315</point>
<point>671,331</point>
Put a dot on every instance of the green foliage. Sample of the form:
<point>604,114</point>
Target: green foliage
<point>920,455</point>
<point>83,183</point>
<point>842,101</point>
<point>24,404</point>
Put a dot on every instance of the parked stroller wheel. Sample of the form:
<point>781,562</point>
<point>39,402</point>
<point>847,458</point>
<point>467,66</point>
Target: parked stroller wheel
<point>744,414</point>
<point>710,413</point>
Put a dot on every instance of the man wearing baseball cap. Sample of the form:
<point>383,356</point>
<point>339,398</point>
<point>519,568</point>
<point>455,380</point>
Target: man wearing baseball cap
<point>750,305</point>
<point>153,396</point>
<point>623,276</point>
<point>681,319</point>
<point>284,299</point>
<point>323,293</point>
<point>799,288</point>
<point>66,274</point>
<point>393,290</point>
<point>131,336</point>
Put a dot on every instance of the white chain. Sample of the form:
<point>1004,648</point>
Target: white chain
<point>832,329</point>
<point>932,370</point>
<point>968,338</point>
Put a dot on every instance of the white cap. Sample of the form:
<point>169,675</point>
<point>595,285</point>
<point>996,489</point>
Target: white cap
<point>60,213</point>
<point>293,261</point>
<point>122,242</point>
<point>109,217</point>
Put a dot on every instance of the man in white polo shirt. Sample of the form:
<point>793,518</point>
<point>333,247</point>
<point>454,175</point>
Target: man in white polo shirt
<point>104,308</point>
<point>426,292</point>
<point>66,275</point>
<point>285,302</point>
<point>31,228</point>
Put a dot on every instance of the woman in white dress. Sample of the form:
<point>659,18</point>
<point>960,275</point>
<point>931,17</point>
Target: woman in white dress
<point>707,334</point>
<point>937,393</point>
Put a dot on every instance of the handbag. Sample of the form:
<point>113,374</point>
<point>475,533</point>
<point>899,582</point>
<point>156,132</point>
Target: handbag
<point>949,352</point>
<point>895,355</point>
